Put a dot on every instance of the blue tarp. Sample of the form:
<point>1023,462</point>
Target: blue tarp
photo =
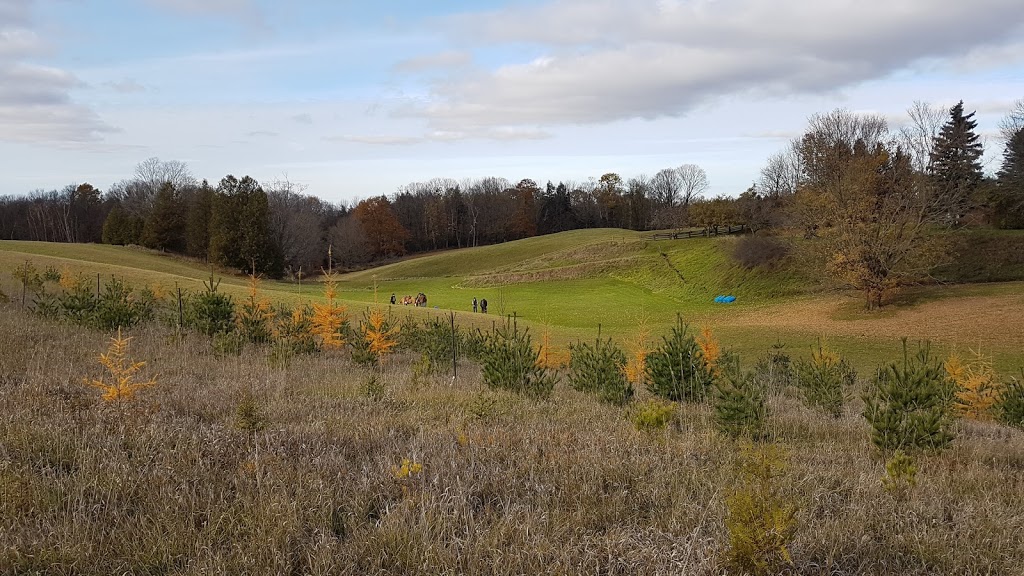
<point>725,299</point>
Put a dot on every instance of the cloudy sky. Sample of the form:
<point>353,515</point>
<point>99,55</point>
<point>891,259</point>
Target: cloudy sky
<point>355,98</point>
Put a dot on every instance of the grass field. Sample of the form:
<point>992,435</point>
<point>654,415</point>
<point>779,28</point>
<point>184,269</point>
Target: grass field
<point>569,284</point>
<point>246,464</point>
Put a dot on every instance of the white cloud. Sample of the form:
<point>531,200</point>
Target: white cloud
<point>448,59</point>
<point>245,10</point>
<point>620,59</point>
<point>126,86</point>
<point>35,100</point>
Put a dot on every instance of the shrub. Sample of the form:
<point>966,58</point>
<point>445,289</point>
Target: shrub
<point>761,524</point>
<point>254,317</point>
<point>754,251</point>
<point>511,363</point>
<point>600,369</point>
<point>117,308</point>
<point>1010,406</point>
<point>739,402</point>
<point>908,406</point>
<point>122,383</point>
<point>676,370</point>
<point>293,330</point>
<point>977,386</point>
<point>434,338</point>
<point>823,378</point>
<point>330,319</point>
<point>250,414</point>
<point>652,415</point>
<point>900,474</point>
<point>211,312</point>
<point>775,371</point>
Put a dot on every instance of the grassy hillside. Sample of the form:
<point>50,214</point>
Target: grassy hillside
<point>568,284</point>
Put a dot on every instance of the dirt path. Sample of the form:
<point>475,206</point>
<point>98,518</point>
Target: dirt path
<point>986,321</point>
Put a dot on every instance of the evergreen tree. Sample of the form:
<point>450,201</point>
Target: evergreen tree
<point>1009,192</point>
<point>121,228</point>
<point>740,408</point>
<point>197,224</point>
<point>908,406</point>
<point>677,370</point>
<point>165,226</point>
<point>225,218</point>
<point>956,158</point>
<point>240,228</point>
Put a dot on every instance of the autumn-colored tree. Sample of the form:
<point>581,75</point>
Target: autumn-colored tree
<point>877,214</point>
<point>384,233</point>
<point>255,316</point>
<point>331,317</point>
<point>524,221</point>
<point>123,371</point>
<point>978,387</point>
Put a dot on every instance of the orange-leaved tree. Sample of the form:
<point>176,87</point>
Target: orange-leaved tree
<point>123,371</point>
<point>710,350</point>
<point>977,385</point>
<point>330,318</point>
<point>380,331</point>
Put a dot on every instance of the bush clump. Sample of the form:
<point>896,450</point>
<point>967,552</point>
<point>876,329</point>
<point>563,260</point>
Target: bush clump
<point>676,369</point>
<point>1010,406</point>
<point>740,409</point>
<point>755,251</point>
<point>600,369</point>
<point>510,362</point>
<point>908,406</point>
<point>823,379</point>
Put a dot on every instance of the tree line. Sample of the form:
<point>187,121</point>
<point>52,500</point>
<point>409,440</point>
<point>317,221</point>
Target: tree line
<point>872,197</point>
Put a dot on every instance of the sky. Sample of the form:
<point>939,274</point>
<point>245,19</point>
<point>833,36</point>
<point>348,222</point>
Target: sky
<point>353,99</point>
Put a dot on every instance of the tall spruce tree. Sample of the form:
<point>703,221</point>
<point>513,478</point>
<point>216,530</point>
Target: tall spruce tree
<point>956,160</point>
<point>197,225</point>
<point>165,226</point>
<point>1009,191</point>
<point>240,228</point>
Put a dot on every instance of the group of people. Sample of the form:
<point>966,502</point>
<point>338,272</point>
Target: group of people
<point>419,300</point>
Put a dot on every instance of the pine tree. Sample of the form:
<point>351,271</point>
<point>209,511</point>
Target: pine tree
<point>197,224</point>
<point>165,226</point>
<point>909,404</point>
<point>956,158</point>
<point>739,402</point>
<point>677,370</point>
<point>121,228</point>
<point>1009,209</point>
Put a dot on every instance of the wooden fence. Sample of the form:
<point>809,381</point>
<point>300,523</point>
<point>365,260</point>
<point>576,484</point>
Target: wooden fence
<point>718,231</point>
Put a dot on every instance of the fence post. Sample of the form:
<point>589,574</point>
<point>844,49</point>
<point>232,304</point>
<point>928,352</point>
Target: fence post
<point>181,314</point>
<point>455,350</point>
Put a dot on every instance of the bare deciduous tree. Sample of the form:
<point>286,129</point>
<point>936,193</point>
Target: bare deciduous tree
<point>693,182</point>
<point>155,172</point>
<point>665,187</point>
<point>917,137</point>
<point>1012,122</point>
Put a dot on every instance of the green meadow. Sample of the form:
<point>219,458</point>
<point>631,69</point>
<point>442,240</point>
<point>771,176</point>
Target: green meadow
<point>571,285</point>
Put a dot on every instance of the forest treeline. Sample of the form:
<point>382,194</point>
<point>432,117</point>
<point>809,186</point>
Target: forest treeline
<point>849,181</point>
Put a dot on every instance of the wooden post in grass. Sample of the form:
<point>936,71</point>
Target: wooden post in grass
<point>181,311</point>
<point>97,285</point>
<point>455,367</point>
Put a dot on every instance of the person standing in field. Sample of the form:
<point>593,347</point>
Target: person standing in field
<point>393,299</point>
<point>483,305</point>
<point>474,304</point>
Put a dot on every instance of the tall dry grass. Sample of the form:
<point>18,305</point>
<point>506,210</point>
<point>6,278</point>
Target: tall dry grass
<point>173,484</point>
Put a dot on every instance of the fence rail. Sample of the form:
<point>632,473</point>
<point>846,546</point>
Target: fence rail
<point>716,231</point>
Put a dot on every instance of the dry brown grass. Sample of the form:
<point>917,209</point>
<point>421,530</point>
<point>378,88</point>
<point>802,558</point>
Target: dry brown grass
<point>172,485</point>
<point>985,321</point>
